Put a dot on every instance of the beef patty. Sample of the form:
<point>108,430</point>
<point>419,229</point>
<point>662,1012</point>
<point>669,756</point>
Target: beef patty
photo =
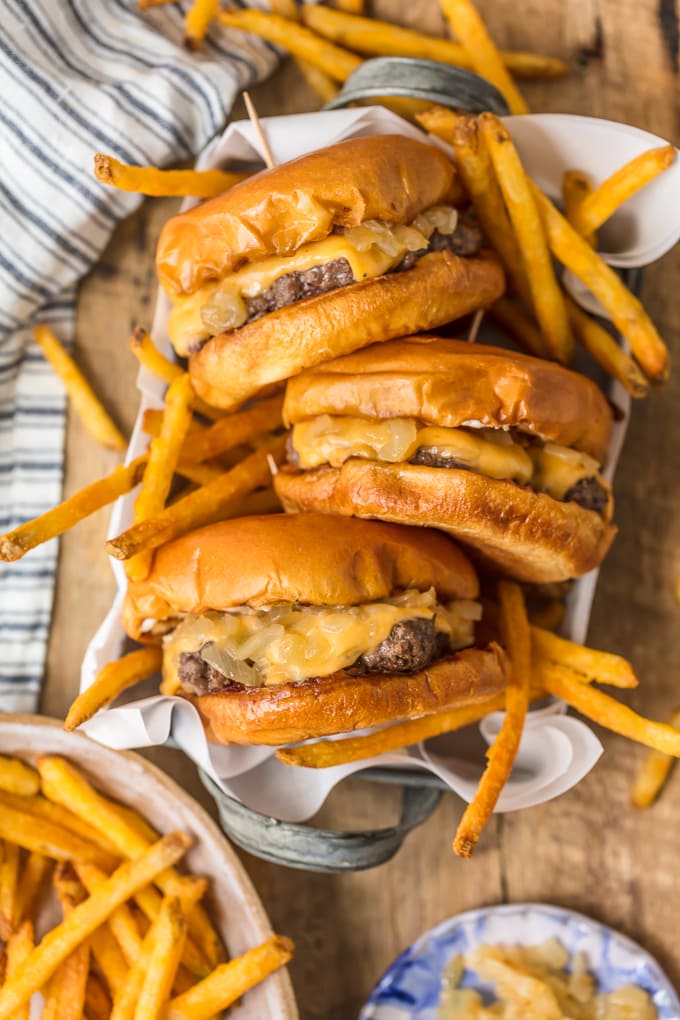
<point>588,492</point>
<point>411,645</point>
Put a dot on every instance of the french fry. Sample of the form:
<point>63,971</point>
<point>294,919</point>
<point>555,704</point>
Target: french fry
<point>17,777</point>
<point>149,180</point>
<point>200,474</point>
<point>594,666</point>
<point>325,753</point>
<point>74,970</point>
<point>112,680</point>
<point>439,121</point>
<point>230,981</point>
<point>609,196</point>
<point>9,876</point>
<point>109,958</point>
<point>84,400</point>
<point>239,427</point>
<point>63,784</point>
<point>204,506</point>
<point>84,919</point>
<point>42,808</point>
<point>548,616</point>
<point>121,923</point>
<point>15,544</point>
<point>197,22</point>
<point>166,942</point>
<point>517,323</point>
<point>48,839</point>
<point>33,876</point>
<point>547,298</point>
<point>625,310</point>
<point>655,770</point>
<point>514,626</point>
<point>350,6</point>
<point>373,37</point>
<point>164,454</point>
<point>477,174</point>
<point>152,420</point>
<point>97,1000</point>
<point>286,8</point>
<point>470,30</point>
<point>19,945</point>
<point>608,712</point>
<point>606,351</point>
<point>298,40</point>
<point>148,355</point>
<point>576,186</point>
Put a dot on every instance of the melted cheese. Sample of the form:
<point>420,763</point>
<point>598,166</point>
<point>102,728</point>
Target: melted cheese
<point>293,643</point>
<point>492,452</point>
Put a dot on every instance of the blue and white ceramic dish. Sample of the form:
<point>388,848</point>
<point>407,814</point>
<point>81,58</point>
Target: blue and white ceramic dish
<point>411,987</point>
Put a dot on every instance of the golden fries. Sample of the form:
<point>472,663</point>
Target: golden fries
<point>70,987</point>
<point>547,298</point>
<point>164,454</point>
<point>48,839</point>
<point>15,544</point>
<point>603,709</point>
<point>501,755</point>
<point>34,875</point>
<point>521,328</point>
<point>201,507</point>
<point>655,770</point>
<point>380,38</point>
<point>19,945</point>
<point>148,355</point>
<point>112,680</point>
<point>298,40</point>
<point>17,777</point>
<point>606,351</point>
<point>350,6</point>
<point>598,667</point>
<point>439,121</point>
<point>575,187</point>
<point>625,310</point>
<point>324,753</point>
<point>9,876</point>
<point>470,30</point>
<point>238,427</point>
<point>597,207</point>
<point>165,944</point>
<point>97,1001</point>
<point>149,180</point>
<point>197,22</point>
<point>230,981</point>
<point>83,398</point>
<point>84,919</point>
<point>40,807</point>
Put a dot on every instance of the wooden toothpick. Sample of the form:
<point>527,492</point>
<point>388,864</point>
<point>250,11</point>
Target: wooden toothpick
<point>476,323</point>
<point>255,121</point>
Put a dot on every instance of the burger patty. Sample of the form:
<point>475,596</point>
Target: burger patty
<point>588,492</point>
<point>466,240</point>
<point>410,646</point>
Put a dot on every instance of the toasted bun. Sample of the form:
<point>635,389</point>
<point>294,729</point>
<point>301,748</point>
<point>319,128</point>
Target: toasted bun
<point>312,559</point>
<point>449,382</point>
<point>529,536</point>
<point>340,703</point>
<point>383,177</point>
<point>232,367</point>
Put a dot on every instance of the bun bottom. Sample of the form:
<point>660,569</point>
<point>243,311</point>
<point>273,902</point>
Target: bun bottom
<point>340,703</point>
<point>235,366</point>
<point>511,530</point>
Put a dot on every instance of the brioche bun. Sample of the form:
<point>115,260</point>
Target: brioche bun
<point>512,530</point>
<point>343,702</point>
<point>450,382</point>
<point>311,559</point>
<point>234,366</point>
<point>275,212</point>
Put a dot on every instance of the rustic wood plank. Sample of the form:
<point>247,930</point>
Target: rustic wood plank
<point>588,849</point>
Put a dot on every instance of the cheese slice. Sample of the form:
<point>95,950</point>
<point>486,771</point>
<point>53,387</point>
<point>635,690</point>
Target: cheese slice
<point>332,439</point>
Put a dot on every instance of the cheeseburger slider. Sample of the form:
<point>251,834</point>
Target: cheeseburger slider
<point>318,257</point>
<point>499,449</point>
<point>280,628</point>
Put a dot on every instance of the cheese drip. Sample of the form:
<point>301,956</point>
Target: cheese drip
<point>331,439</point>
<point>292,643</point>
<point>372,248</point>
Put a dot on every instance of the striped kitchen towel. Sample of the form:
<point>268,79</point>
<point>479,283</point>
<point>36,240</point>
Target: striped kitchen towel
<point>77,77</point>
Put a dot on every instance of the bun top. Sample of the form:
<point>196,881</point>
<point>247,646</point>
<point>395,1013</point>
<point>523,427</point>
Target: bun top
<point>314,559</point>
<point>275,212</point>
<point>451,382</point>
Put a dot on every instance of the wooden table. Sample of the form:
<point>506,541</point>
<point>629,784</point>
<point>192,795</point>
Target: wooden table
<point>589,849</point>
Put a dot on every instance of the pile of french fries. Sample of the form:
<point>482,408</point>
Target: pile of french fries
<point>134,942</point>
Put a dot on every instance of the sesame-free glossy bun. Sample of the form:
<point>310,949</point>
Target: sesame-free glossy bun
<point>311,559</point>
<point>275,212</point>
<point>511,529</point>
<point>450,382</point>
<point>235,366</point>
<point>343,702</point>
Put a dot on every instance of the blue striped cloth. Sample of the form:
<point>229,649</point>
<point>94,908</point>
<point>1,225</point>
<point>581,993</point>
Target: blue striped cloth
<point>77,77</point>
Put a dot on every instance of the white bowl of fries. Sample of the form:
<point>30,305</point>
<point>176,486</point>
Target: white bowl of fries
<point>118,925</point>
